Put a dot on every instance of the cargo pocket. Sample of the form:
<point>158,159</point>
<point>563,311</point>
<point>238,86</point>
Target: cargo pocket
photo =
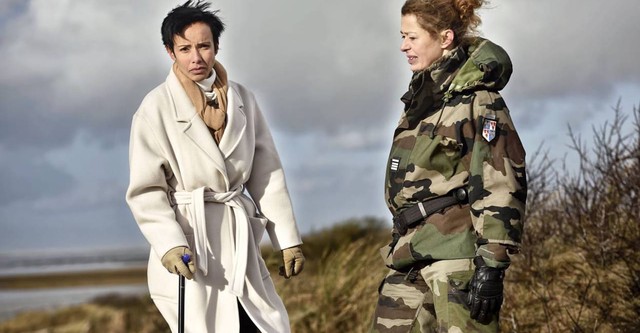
<point>458,288</point>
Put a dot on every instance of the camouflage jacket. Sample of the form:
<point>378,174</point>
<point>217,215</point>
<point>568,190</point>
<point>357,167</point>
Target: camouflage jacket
<point>456,131</point>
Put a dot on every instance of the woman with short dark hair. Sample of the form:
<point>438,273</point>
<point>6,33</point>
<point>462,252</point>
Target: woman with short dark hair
<point>206,181</point>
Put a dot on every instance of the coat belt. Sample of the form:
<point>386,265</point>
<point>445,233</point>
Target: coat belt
<point>195,205</point>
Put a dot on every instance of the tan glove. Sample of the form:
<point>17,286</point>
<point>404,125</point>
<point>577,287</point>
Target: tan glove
<point>293,261</point>
<point>172,261</point>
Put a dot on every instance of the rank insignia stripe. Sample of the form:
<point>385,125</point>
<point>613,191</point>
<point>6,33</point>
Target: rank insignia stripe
<point>395,163</point>
<point>489,129</point>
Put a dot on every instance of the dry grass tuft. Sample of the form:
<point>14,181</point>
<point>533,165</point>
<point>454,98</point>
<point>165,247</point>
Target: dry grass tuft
<point>341,295</point>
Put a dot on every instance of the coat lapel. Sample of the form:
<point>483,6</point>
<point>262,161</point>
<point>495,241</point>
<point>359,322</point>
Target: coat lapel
<point>236,123</point>
<point>194,127</point>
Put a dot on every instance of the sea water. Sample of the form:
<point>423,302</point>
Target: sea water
<point>13,301</point>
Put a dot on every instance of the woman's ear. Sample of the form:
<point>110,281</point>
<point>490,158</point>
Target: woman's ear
<point>170,52</point>
<point>446,39</point>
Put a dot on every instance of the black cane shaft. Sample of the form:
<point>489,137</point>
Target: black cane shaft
<point>181,304</point>
<point>186,258</point>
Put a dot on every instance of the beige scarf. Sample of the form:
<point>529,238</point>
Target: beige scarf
<point>213,113</point>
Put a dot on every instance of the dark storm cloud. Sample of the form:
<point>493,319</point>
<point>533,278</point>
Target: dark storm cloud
<point>73,66</point>
<point>560,48</point>
<point>327,74</point>
<point>325,66</point>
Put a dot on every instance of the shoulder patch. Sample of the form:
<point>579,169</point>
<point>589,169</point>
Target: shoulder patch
<point>489,128</point>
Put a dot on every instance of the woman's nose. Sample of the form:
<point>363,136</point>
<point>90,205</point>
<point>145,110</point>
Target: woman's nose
<point>196,57</point>
<point>404,46</point>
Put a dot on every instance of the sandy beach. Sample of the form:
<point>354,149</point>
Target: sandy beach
<point>102,277</point>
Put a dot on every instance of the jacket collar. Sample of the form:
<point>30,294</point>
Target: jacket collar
<point>236,122</point>
<point>196,129</point>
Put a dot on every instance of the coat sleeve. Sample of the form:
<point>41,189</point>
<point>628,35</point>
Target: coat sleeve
<point>497,183</point>
<point>267,186</point>
<point>147,193</point>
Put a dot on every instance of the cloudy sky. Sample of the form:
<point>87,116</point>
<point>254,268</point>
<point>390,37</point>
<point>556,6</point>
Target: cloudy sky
<point>327,74</point>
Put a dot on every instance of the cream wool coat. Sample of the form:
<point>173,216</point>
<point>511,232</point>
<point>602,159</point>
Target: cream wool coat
<point>187,191</point>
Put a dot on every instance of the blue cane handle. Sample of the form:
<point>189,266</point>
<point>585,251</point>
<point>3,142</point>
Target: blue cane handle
<point>186,258</point>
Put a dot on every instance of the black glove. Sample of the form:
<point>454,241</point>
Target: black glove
<point>485,291</point>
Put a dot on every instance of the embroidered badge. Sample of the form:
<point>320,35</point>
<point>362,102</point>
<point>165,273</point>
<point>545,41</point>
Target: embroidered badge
<point>395,163</point>
<point>489,129</point>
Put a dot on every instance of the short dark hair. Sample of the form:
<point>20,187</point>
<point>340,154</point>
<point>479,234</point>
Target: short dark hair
<point>181,17</point>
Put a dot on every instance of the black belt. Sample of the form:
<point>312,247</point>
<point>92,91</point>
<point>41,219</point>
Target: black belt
<point>408,217</point>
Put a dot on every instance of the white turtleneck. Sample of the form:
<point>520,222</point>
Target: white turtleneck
<point>206,86</point>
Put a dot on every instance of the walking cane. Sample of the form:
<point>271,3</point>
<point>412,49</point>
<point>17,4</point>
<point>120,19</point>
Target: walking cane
<point>185,259</point>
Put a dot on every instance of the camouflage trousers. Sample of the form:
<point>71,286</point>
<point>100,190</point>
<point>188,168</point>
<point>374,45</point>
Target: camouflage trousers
<point>435,301</point>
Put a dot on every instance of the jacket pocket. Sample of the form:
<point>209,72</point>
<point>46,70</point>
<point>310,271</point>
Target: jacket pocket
<point>162,284</point>
<point>258,225</point>
<point>440,154</point>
